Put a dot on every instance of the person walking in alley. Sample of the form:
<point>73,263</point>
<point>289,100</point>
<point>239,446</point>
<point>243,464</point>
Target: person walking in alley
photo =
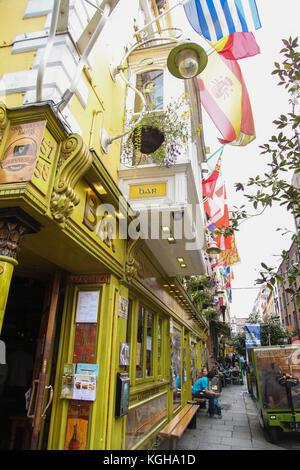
<point>201,389</point>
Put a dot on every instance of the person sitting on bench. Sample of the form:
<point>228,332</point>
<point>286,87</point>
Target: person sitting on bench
<point>201,389</point>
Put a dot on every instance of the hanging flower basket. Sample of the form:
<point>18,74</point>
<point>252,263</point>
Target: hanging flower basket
<point>159,135</point>
<point>147,139</point>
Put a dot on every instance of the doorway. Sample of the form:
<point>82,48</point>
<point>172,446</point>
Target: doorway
<point>23,334</point>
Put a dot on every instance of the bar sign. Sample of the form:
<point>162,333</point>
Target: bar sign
<point>147,190</point>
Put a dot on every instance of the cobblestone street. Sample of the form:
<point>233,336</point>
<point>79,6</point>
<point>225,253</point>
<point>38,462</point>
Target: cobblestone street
<point>239,428</point>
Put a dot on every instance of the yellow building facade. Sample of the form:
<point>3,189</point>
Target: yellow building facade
<point>93,319</point>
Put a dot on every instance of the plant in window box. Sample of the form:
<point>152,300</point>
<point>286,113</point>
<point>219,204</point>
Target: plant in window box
<point>160,135</point>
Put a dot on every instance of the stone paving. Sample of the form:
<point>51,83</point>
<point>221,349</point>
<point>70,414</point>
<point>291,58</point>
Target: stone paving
<point>239,428</point>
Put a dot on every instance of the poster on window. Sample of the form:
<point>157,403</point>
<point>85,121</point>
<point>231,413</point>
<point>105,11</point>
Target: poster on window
<point>272,364</point>
<point>123,307</point>
<point>124,354</point>
<point>87,307</point>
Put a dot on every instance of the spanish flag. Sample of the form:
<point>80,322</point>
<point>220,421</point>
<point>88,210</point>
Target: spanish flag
<point>224,96</point>
<point>237,46</point>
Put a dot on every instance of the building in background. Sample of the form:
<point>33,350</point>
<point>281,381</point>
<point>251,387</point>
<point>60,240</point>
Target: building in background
<point>296,184</point>
<point>289,312</point>
<point>260,303</point>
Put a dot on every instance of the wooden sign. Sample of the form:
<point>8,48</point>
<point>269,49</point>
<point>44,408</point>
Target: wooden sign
<point>21,151</point>
<point>89,279</point>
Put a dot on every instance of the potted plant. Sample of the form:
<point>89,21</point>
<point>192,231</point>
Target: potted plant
<point>160,135</point>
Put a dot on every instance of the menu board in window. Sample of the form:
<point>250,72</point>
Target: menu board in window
<point>87,307</point>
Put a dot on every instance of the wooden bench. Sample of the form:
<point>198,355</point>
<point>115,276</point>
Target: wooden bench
<point>198,401</point>
<point>176,427</point>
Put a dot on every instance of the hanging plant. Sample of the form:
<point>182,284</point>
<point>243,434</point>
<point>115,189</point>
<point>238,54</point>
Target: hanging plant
<point>210,314</point>
<point>201,291</point>
<point>160,135</point>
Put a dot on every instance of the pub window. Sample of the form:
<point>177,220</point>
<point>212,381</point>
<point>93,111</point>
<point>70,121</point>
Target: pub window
<point>150,84</point>
<point>149,342</point>
<point>159,346</point>
<point>149,345</point>
<point>129,321</point>
<point>176,371</point>
<point>140,343</point>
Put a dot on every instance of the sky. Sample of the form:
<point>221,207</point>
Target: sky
<point>257,240</point>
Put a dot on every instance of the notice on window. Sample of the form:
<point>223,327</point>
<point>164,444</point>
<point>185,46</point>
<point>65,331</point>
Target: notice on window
<point>87,307</point>
<point>85,381</point>
<point>80,382</point>
<point>123,307</point>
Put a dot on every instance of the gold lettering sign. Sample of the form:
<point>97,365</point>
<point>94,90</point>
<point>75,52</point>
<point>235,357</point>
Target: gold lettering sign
<point>44,162</point>
<point>21,151</point>
<point>147,190</point>
<point>106,229</point>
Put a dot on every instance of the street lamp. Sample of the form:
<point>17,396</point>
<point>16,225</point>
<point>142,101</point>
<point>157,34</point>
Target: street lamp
<point>187,60</point>
<point>212,248</point>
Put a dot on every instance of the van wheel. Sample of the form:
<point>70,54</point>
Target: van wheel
<point>261,420</point>
<point>273,434</point>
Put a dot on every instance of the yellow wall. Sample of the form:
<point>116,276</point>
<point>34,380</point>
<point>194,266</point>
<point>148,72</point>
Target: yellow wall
<point>12,24</point>
<point>105,105</point>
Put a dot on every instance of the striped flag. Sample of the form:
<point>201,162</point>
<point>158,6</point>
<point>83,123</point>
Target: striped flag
<point>215,19</point>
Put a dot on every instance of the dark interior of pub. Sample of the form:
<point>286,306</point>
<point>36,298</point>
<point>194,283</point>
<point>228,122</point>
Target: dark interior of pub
<point>19,336</point>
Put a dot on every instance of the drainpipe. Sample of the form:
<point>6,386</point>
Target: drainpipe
<point>71,90</point>
<point>42,65</point>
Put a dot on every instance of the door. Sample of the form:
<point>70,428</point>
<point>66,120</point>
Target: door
<point>41,389</point>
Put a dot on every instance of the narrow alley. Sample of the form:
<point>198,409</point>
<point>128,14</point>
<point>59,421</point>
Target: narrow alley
<point>239,428</point>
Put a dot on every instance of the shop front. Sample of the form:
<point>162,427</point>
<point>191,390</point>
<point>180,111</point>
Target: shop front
<point>166,351</point>
<point>99,347</point>
<point>60,273</point>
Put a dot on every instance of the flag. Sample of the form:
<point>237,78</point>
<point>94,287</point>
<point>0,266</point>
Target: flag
<point>237,46</point>
<point>224,96</point>
<point>230,256</point>
<point>215,19</point>
<point>214,206</point>
<point>221,220</point>
<point>208,185</point>
<point>252,333</point>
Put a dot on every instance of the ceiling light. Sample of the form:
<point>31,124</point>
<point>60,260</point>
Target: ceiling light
<point>183,265</point>
<point>165,229</point>
<point>180,260</point>
<point>99,189</point>
<point>171,240</point>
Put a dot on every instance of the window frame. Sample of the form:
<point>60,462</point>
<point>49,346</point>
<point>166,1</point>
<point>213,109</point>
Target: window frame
<point>155,374</point>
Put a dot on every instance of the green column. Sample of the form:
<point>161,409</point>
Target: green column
<point>14,224</point>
